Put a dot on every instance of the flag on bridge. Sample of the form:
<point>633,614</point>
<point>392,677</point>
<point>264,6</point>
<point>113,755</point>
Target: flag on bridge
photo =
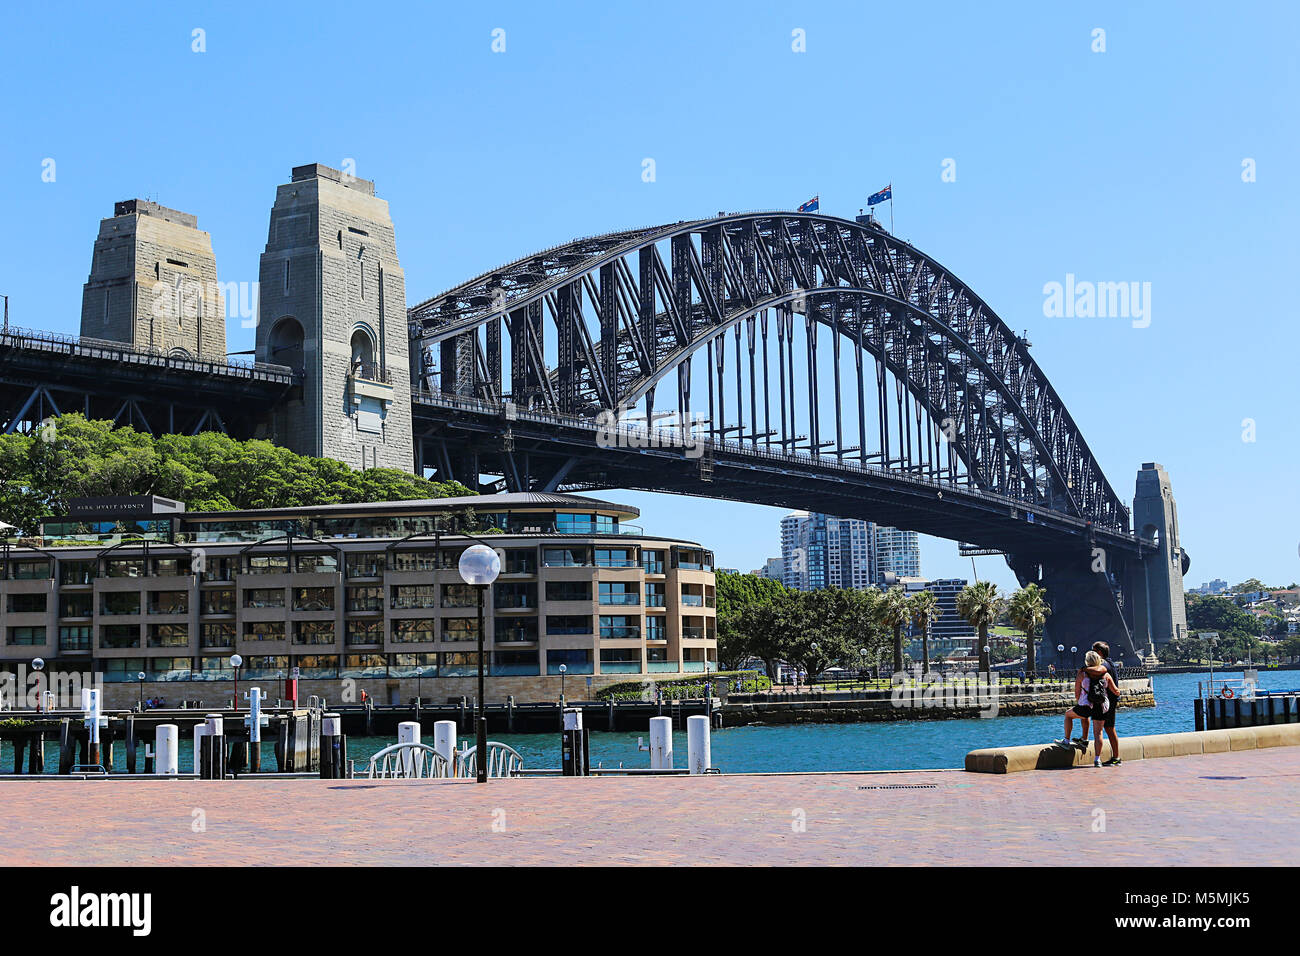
<point>884,194</point>
<point>812,205</point>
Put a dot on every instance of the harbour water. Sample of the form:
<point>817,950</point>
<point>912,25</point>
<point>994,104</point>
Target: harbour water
<point>897,745</point>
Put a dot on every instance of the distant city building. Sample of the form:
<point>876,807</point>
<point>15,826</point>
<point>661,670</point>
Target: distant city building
<point>950,634</point>
<point>774,568</point>
<point>819,551</point>
<point>1217,586</point>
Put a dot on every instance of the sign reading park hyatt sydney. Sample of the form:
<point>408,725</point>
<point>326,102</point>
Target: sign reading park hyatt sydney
<point>124,506</point>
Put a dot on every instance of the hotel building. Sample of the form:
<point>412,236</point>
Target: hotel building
<point>360,593</point>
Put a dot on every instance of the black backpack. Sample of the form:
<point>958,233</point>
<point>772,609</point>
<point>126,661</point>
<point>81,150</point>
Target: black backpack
<point>1097,699</point>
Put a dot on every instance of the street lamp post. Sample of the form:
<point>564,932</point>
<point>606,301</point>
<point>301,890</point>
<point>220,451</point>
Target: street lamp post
<point>236,662</point>
<point>479,567</point>
<point>564,669</point>
<point>140,698</point>
<point>38,665</point>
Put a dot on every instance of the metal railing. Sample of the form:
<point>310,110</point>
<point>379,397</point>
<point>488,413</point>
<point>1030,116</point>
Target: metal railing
<point>409,761</point>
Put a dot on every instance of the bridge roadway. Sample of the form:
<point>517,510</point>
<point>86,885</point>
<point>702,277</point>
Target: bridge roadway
<point>1153,813</point>
<point>537,448</point>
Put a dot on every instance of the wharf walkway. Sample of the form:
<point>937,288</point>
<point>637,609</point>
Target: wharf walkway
<point>1151,813</point>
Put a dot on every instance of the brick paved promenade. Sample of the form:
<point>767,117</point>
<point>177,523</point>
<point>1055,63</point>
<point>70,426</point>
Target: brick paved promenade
<point>1157,812</point>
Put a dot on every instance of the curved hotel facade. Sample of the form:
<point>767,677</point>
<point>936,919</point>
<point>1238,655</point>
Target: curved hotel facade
<point>362,592</point>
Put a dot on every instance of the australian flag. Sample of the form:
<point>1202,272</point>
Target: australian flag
<point>812,205</point>
<point>886,193</point>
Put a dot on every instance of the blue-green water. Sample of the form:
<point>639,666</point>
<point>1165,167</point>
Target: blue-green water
<point>897,745</point>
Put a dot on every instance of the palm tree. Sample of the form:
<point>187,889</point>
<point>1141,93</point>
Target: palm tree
<point>893,611</point>
<point>1028,611</point>
<point>979,604</point>
<point>925,611</point>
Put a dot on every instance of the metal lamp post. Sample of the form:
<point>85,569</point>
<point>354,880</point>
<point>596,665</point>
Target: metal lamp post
<point>38,665</point>
<point>140,698</point>
<point>1060,652</point>
<point>564,669</point>
<point>479,566</point>
<point>236,662</point>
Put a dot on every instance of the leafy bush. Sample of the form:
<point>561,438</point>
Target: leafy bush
<point>684,687</point>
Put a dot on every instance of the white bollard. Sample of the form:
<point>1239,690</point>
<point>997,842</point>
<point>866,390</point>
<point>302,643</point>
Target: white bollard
<point>661,743</point>
<point>167,750</point>
<point>85,700</point>
<point>199,731</point>
<point>699,753</point>
<point>408,732</point>
<point>444,740</point>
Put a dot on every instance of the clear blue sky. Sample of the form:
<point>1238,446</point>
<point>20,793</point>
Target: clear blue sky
<point>1117,166</point>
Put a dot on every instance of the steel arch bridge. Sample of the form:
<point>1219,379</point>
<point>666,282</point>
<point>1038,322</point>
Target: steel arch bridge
<point>843,370</point>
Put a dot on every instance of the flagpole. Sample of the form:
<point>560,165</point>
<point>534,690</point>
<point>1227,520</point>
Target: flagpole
<point>891,208</point>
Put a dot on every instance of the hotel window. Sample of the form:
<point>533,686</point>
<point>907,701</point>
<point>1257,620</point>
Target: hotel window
<point>520,561</point>
<point>264,597</point>
<point>364,632</point>
<point>615,558</point>
<point>458,664</point>
<point>619,592</point>
<point>119,635</point>
<point>514,630</point>
<point>169,635</point>
<point>568,590</point>
<point>27,603</point>
<point>121,670</point>
<point>264,630</point>
<point>169,602</point>
<point>514,664</point>
<point>313,632</point>
<point>119,602</point>
<point>166,668</point>
<point>566,557</point>
<point>217,635</point>
<point>318,563</point>
<point>268,564</point>
<point>652,562</point>
<point>413,665</point>
<point>74,637</point>
<point>76,572</point>
<point>619,625</point>
<point>459,595</point>
<point>30,570</point>
<point>217,602</point>
<point>656,629</point>
<point>318,665</point>
<point>264,666</point>
<point>415,630</point>
<point>692,596</point>
<point>369,597</point>
<point>365,565</point>
<point>313,599</point>
<point>459,629</point>
<point>407,596</point>
<point>415,561</point>
<point>514,595</point>
<point>655,595</point>
<point>171,567</point>
<point>568,624</point>
<point>620,660</point>
<point>217,569</point>
<point>568,523</point>
<point>27,635</point>
<point>577,661</point>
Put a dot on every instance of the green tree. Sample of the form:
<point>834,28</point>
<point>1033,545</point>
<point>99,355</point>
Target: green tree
<point>980,605</point>
<point>735,594</point>
<point>925,610</point>
<point>1028,610</point>
<point>893,612</point>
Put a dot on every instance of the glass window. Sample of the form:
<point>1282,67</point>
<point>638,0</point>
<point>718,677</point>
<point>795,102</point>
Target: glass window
<point>264,597</point>
<point>459,595</point>
<point>264,630</point>
<point>119,635</point>
<point>367,597</point>
<point>120,602</point>
<point>366,665</point>
<point>615,558</point>
<point>213,668</point>
<point>652,562</point>
<point>268,564</point>
<point>217,602</point>
<point>318,665</point>
<point>76,572</point>
<point>459,629</point>
<point>27,603</point>
<point>313,599</point>
<point>264,667</point>
<point>415,630</point>
<point>415,596</point>
<point>513,595</point>
<point>514,629</point>
<point>619,592</point>
<point>169,635</point>
<point>31,570</point>
<point>74,637</point>
<point>619,625</point>
<point>576,661</point>
<point>120,670</point>
<point>313,632</point>
<point>655,596</point>
<point>568,590</point>
<point>76,605</point>
<point>27,635</point>
<point>656,629</point>
<point>217,635</point>
<point>568,624</point>
<point>459,664</point>
<point>364,632</point>
<point>318,563</point>
<point>414,665</point>
<point>620,660</point>
<point>165,567</point>
<point>520,561</point>
<point>415,560</point>
<point>566,557</point>
<point>514,664</point>
<point>169,602</point>
<point>365,564</point>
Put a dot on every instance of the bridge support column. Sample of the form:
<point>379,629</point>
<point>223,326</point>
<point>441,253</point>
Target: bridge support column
<point>1159,606</point>
<point>1085,607</point>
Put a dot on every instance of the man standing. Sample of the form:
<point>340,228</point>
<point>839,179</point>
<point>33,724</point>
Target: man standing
<point>1102,648</point>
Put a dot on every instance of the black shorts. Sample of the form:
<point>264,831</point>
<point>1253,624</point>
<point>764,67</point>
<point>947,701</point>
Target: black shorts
<point>1083,710</point>
<point>1110,714</point>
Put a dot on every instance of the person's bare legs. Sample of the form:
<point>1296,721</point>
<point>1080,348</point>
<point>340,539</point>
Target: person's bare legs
<point>1096,740</point>
<point>1069,723</point>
